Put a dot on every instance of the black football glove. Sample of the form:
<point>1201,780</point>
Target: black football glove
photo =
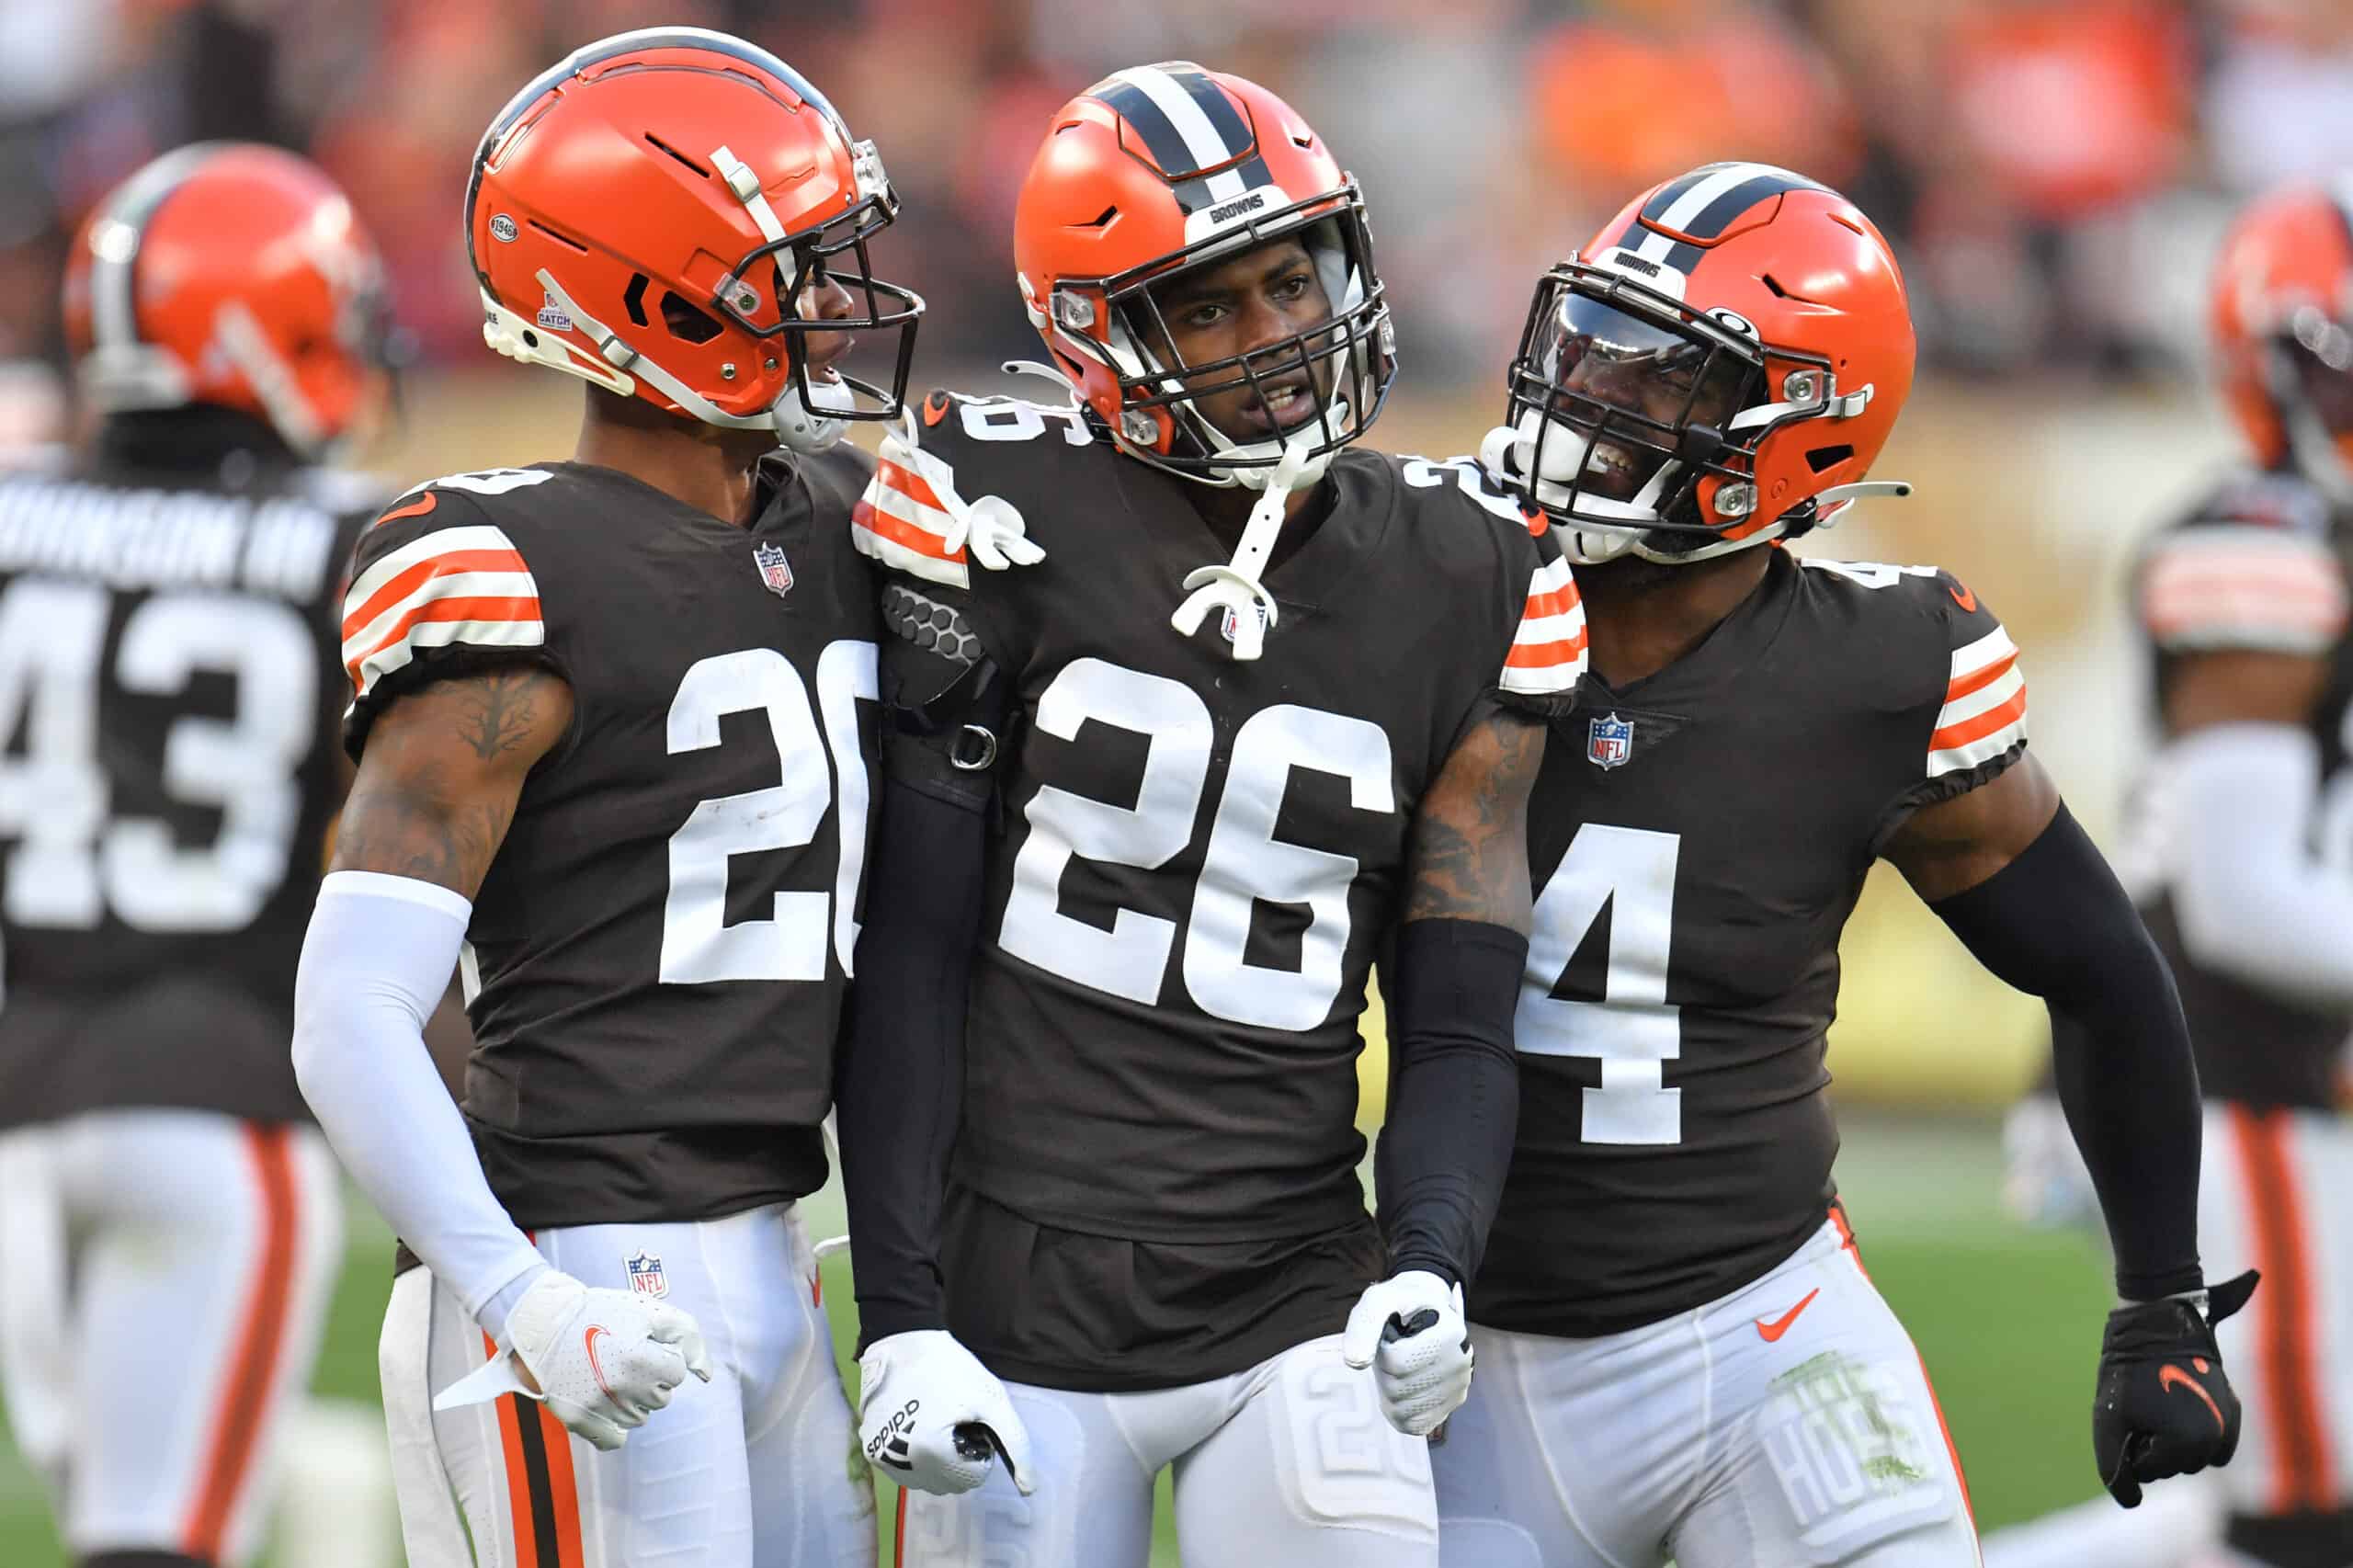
<point>2164,1406</point>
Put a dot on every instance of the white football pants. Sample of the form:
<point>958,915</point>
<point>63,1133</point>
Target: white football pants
<point>1788,1424</point>
<point>165,1282</point>
<point>759,1468</point>
<point>1288,1463</point>
<point>2277,1194</point>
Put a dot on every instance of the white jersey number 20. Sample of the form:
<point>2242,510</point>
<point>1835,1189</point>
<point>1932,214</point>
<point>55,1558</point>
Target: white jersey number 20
<point>697,945</point>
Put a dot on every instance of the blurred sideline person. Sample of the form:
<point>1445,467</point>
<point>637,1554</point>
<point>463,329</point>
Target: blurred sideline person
<point>168,700</point>
<point>2240,847</point>
<point>1680,1353</point>
<point>1132,877</point>
<point>614,725</point>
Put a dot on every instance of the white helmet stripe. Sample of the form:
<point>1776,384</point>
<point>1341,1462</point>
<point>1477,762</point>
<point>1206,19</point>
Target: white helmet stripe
<point>1201,139</point>
<point>1693,202</point>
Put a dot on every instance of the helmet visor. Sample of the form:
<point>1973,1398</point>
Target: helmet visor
<point>1622,400</point>
<point>1631,386</point>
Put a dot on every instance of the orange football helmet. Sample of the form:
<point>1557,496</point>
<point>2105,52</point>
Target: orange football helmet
<point>231,275</point>
<point>2283,318</point>
<point>1159,170</point>
<point>650,214</point>
<point>1718,369</point>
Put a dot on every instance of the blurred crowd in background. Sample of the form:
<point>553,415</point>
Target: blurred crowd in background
<point>2054,172</point>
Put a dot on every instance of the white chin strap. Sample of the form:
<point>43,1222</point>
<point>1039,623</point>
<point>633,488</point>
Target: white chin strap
<point>1236,587</point>
<point>618,367</point>
<point>241,337</point>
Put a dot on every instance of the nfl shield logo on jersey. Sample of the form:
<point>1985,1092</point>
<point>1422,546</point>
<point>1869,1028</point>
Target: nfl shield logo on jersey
<point>775,570</point>
<point>1609,742</point>
<point>646,1275</point>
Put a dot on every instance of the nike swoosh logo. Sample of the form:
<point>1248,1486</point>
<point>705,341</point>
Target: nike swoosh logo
<point>593,1366</point>
<point>2172,1377</point>
<point>415,508</point>
<point>1964,598</point>
<point>1771,1331</point>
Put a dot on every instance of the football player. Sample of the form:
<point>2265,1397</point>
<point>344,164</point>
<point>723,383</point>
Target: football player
<point>1166,847</point>
<point>613,721</point>
<point>2242,833</point>
<point>1680,1353</point>
<point>167,704</point>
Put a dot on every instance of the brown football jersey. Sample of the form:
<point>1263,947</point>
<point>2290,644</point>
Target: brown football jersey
<point>168,695</point>
<point>657,960</point>
<point>1699,838</point>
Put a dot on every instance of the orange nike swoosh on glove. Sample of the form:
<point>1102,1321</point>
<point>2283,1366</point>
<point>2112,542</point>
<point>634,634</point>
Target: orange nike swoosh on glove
<point>2172,1377</point>
<point>1771,1331</point>
<point>593,1365</point>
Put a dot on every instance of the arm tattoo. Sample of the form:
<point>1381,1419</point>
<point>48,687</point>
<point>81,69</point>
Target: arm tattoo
<point>417,825</point>
<point>1470,855</point>
<point>498,710</point>
<point>444,771</point>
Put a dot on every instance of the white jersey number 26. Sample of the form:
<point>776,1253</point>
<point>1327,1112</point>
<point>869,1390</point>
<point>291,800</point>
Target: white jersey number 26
<point>1243,862</point>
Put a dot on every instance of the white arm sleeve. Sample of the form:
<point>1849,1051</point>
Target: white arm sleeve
<point>2252,900</point>
<point>377,956</point>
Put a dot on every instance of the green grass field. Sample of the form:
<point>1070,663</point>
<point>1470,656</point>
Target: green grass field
<point>2008,1321</point>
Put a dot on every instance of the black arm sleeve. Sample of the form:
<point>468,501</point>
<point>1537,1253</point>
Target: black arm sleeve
<point>2055,923</point>
<point>1453,1092</point>
<point>899,1089</point>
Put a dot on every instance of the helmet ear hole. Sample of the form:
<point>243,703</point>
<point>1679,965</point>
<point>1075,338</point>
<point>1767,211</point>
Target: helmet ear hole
<point>1822,460</point>
<point>634,300</point>
<point>687,321</point>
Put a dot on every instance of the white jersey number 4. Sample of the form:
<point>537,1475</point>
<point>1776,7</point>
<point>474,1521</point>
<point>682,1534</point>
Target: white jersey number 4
<point>1634,1030</point>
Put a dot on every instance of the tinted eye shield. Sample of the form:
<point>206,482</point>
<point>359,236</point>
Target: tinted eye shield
<point>1654,379</point>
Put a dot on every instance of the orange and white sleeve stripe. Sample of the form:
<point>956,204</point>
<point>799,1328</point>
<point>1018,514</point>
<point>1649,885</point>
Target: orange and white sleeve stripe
<point>463,584</point>
<point>1984,710</point>
<point>1548,652</point>
<point>900,522</point>
<point>2244,587</point>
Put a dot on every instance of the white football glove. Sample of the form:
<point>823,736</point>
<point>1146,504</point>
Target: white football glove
<point>933,1417</point>
<point>604,1360</point>
<point>1411,1331</point>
